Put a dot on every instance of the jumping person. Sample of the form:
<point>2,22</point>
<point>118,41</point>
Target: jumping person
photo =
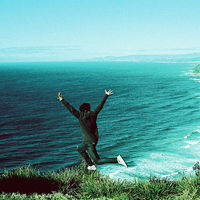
<point>87,120</point>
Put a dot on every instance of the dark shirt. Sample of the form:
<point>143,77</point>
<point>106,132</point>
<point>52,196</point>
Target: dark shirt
<point>87,120</point>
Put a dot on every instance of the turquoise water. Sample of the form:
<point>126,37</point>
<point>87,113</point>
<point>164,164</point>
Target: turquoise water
<point>152,119</point>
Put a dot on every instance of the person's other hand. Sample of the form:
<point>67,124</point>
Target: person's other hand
<point>60,96</point>
<point>110,92</point>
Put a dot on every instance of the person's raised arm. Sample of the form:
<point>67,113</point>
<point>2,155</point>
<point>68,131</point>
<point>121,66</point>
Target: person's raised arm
<point>100,106</point>
<point>68,106</point>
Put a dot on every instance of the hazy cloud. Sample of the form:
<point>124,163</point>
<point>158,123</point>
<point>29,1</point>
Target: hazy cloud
<point>38,53</point>
<point>33,50</point>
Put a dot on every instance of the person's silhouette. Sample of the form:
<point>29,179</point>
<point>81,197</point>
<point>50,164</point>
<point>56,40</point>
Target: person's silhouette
<point>87,120</point>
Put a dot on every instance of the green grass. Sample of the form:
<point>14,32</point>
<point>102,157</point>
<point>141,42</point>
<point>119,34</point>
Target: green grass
<point>79,183</point>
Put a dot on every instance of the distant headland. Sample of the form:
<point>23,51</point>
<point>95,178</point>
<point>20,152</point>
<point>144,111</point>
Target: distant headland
<point>160,58</point>
<point>196,70</point>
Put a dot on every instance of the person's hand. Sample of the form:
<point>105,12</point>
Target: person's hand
<point>110,92</point>
<point>60,96</point>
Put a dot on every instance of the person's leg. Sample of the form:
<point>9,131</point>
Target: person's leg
<point>95,157</point>
<point>82,150</point>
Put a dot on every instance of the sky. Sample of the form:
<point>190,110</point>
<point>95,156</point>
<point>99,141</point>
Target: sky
<point>59,30</point>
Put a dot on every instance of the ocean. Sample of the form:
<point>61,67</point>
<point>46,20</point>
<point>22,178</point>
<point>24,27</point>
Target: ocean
<point>152,119</point>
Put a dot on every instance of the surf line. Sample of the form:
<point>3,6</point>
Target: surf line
<point>172,174</point>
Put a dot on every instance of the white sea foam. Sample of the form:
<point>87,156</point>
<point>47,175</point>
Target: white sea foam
<point>111,175</point>
<point>163,176</point>
<point>172,174</point>
<point>175,173</point>
<point>195,79</point>
<point>156,155</point>
<point>187,136</point>
<point>192,142</point>
<point>185,147</point>
<point>190,169</point>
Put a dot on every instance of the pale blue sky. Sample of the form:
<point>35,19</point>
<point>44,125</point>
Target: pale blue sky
<point>42,30</point>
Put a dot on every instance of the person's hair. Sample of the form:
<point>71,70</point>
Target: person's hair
<point>85,107</point>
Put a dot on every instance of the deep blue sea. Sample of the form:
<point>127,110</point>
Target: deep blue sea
<point>152,119</point>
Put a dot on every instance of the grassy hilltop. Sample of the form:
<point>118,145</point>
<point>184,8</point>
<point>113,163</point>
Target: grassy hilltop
<point>79,183</point>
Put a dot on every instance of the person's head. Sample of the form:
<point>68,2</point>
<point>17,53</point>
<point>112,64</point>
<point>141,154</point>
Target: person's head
<point>85,107</point>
